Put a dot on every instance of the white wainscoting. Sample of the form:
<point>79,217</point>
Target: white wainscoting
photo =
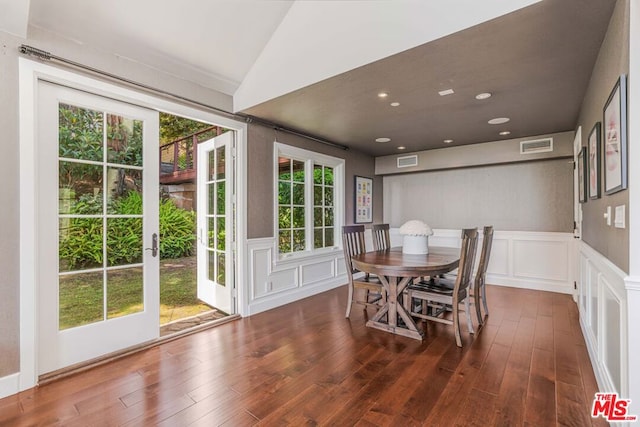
<point>520,259</point>
<point>602,302</point>
<point>273,282</point>
<point>9,385</point>
<point>532,260</point>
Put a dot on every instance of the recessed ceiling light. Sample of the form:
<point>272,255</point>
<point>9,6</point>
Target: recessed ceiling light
<point>483,95</point>
<point>383,94</point>
<point>498,120</point>
<point>504,133</point>
<point>446,92</point>
<point>402,147</point>
<point>383,139</point>
<point>395,104</point>
<point>448,141</point>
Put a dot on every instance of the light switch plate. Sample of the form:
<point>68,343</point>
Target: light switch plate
<point>607,215</point>
<point>619,219</point>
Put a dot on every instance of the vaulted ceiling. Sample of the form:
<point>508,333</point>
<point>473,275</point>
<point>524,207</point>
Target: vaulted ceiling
<point>318,66</point>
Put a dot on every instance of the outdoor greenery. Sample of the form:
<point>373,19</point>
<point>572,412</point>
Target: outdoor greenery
<point>81,243</point>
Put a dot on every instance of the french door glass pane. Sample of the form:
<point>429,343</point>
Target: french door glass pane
<point>124,292</point>
<point>81,299</point>
<point>79,243</point>
<point>80,133</point>
<point>221,277</point>
<point>124,191</point>
<point>124,140</point>
<point>79,188</point>
<point>211,274</point>
<point>124,241</point>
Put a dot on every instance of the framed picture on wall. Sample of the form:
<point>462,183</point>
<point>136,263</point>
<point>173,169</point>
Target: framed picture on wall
<point>594,162</point>
<point>582,177</point>
<point>363,200</point>
<point>614,125</point>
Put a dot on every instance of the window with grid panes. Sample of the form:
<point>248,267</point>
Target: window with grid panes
<point>307,204</point>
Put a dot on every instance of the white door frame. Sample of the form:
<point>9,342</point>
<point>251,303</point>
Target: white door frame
<point>30,72</point>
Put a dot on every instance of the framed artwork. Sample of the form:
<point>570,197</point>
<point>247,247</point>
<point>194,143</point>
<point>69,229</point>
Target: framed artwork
<point>582,177</point>
<point>615,138</point>
<point>363,200</point>
<point>594,162</point>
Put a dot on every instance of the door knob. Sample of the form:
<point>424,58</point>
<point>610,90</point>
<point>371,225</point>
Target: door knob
<point>154,245</point>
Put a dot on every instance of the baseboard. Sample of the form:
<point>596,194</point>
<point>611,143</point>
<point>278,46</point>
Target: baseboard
<point>536,285</point>
<point>9,385</point>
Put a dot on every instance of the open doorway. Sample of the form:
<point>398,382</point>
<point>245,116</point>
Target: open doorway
<point>181,305</point>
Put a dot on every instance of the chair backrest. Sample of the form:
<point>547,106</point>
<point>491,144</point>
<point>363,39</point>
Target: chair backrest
<point>467,258</point>
<point>352,244</point>
<point>381,238</point>
<point>487,242</point>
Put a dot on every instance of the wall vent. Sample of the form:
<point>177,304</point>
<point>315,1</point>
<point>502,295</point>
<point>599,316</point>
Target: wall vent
<point>407,161</point>
<point>536,146</point>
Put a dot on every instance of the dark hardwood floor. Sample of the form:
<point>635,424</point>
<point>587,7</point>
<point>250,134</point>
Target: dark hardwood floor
<point>304,363</point>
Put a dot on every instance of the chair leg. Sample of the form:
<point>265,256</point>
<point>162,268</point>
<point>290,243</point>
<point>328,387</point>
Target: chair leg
<point>349,301</point>
<point>476,303</point>
<point>467,311</point>
<point>456,325</point>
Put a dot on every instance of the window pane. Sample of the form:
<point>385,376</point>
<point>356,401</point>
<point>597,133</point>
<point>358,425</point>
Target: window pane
<point>124,241</point>
<point>317,195</point>
<point>298,194</point>
<point>211,172</point>
<point>284,241</point>
<point>81,299</point>
<point>80,188</point>
<point>298,171</point>
<point>221,196</point>
<point>212,198</point>
<point>284,217</point>
<point>328,237</point>
<point>80,243</point>
<point>124,191</point>
<point>220,165</point>
<point>213,258</point>
<point>317,174</point>
<point>328,176</point>
<point>220,234</point>
<point>298,217</point>
<point>125,294</point>
<point>317,238</point>
<point>298,240</point>
<point>80,133</point>
<point>328,196</point>
<point>317,217</point>
<point>284,193</point>
<point>284,168</point>
<point>328,217</point>
<point>221,277</point>
<point>212,233</point>
<point>124,140</point>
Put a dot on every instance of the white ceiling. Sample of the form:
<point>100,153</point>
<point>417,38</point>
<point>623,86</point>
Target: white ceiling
<point>255,49</point>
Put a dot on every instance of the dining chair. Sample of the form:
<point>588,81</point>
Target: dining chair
<point>479,291</point>
<point>438,300</point>
<point>381,239</point>
<point>353,244</point>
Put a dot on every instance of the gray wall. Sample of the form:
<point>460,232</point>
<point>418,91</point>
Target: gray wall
<point>533,196</point>
<point>9,171</point>
<point>260,177</point>
<point>612,61</point>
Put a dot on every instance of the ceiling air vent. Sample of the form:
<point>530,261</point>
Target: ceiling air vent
<point>536,146</point>
<point>407,161</point>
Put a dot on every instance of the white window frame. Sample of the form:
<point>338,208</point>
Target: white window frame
<point>310,158</point>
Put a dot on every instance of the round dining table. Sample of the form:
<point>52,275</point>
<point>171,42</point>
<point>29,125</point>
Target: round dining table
<point>395,270</point>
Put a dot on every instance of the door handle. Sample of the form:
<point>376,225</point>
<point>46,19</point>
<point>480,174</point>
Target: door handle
<point>154,245</point>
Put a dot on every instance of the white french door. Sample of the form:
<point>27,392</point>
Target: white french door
<point>216,229</point>
<point>97,226</point>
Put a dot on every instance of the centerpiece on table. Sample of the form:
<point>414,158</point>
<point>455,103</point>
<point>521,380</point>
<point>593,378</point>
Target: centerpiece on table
<point>415,237</point>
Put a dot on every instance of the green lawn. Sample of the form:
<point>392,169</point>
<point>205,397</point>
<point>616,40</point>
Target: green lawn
<point>82,295</point>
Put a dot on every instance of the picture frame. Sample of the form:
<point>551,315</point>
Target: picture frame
<point>593,148</point>
<point>363,198</point>
<point>614,131</point>
<point>582,176</point>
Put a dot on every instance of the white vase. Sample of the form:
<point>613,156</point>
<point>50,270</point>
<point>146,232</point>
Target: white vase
<point>415,244</point>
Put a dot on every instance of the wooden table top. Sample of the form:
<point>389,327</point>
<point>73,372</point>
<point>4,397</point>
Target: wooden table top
<point>395,263</point>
